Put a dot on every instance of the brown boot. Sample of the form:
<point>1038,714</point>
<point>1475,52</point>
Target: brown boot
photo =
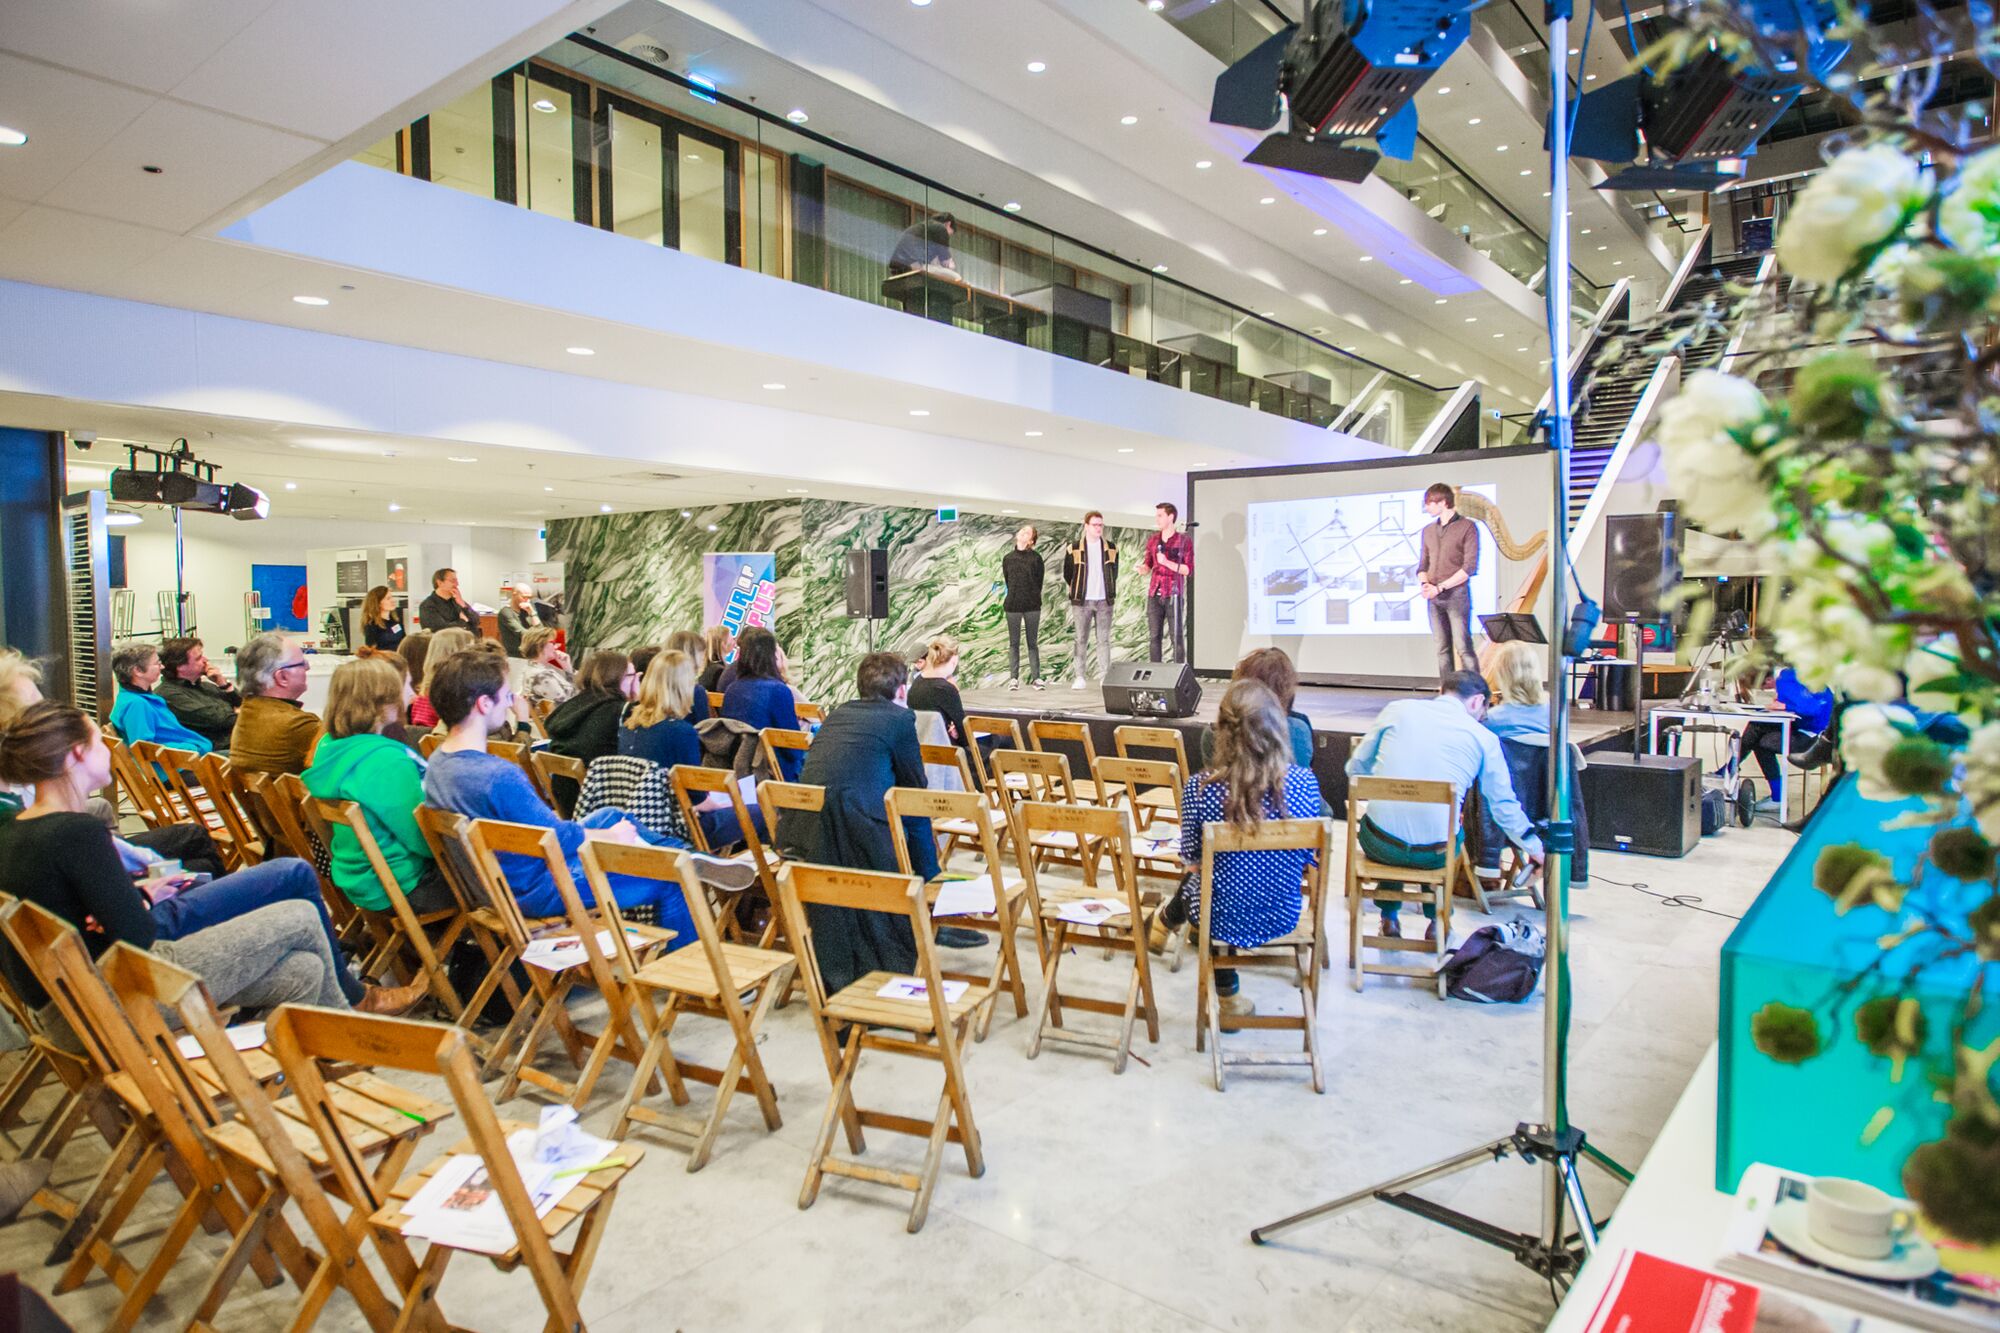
<point>393,1001</point>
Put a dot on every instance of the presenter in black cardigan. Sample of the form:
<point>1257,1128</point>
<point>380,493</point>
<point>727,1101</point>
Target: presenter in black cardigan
<point>1021,568</point>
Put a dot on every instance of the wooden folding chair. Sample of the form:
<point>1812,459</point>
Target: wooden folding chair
<point>406,943</point>
<point>1009,732</point>
<point>1156,849</point>
<point>736,983</point>
<point>141,784</point>
<point>1119,932</point>
<point>308,1041</point>
<point>811,714</point>
<point>1420,886</point>
<point>1157,742</point>
<point>189,799</point>
<point>285,798</point>
<point>428,743</point>
<point>777,740</point>
<point>1044,732</point>
<point>693,783</point>
<point>714,702</point>
<point>1035,775</point>
<point>608,970</point>
<point>955,833</point>
<point>224,786</point>
<point>1295,954</point>
<point>548,767</point>
<point>499,931</point>
<point>857,1018</point>
<point>969,808</point>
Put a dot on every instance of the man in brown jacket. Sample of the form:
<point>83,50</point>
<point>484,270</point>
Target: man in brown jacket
<point>274,734</point>
<point>1449,557</point>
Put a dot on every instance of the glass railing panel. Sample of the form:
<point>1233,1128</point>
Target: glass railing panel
<point>460,139</point>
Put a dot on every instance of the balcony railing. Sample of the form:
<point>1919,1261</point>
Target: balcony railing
<point>588,133</point>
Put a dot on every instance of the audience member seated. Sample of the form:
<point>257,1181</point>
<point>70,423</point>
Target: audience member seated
<point>258,937</point>
<point>718,643</point>
<point>1760,739</point>
<point>1258,895</point>
<point>1439,739</point>
<point>759,696</point>
<point>416,653</point>
<point>138,712</point>
<point>696,648</point>
<point>934,690</point>
<point>548,679</point>
<point>445,608</point>
<point>274,733</point>
<point>659,727</point>
<point>731,672</point>
<point>381,627</point>
<point>1272,668</point>
<point>194,689</point>
<point>359,762</point>
<point>397,730</point>
<point>585,726</point>
<point>444,644</point>
<point>473,700</point>
<point>1519,716</point>
<point>517,617</point>
<point>866,747</point>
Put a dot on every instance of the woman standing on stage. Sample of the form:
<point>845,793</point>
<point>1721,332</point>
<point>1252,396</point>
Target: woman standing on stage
<point>1021,568</point>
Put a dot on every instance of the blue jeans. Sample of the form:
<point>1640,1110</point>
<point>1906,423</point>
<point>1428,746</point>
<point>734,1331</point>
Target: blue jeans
<point>721,827</point>
<point>1377,845</point>
<point>235,895</point>
<point>637,891</point>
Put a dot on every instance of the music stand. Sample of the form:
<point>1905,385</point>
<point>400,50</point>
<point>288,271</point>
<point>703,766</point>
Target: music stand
<point>1513,627</point>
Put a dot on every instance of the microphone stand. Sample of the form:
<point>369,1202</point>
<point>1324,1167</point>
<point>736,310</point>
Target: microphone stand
<point>1552,1144</point>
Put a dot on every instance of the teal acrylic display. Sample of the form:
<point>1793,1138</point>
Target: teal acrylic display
<point>1792,947</point>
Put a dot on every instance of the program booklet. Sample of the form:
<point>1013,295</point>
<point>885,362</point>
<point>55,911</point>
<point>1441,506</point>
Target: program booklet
<point>1649,1294</point>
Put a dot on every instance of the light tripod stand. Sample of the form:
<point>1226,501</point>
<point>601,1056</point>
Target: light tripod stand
<point>1552,1144</point>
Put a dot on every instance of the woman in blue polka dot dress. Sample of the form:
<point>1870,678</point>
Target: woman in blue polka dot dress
<point>1258,895</point>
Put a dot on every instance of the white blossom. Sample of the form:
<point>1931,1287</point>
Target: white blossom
<point>1867,733</point>
<point>1717,480</point>
<point>1969,217</point>
<point>1862,198</point>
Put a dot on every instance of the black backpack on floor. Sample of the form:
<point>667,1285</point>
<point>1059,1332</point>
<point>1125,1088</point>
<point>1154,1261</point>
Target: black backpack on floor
<point>1496,964</point>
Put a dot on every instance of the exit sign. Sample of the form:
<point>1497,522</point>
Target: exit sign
<point>947,513</point>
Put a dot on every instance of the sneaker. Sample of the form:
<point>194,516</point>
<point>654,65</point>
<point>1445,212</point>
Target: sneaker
<point>1238,1005</point>
<point>958,937</point>
<point>725,876</point>
<point>1390,927</point>
<point>1079,684</point>
<point>1014,684</point>
<point>1768,806</point>
<point>1036,685</point>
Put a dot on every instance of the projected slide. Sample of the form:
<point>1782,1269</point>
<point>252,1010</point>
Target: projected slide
<point>1347,564</point>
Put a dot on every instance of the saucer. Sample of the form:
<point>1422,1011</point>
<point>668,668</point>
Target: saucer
<point>1915,1258</point>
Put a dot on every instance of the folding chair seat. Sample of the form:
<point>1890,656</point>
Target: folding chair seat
<point>1294,955</point>
<point>1010,901</point>
<point>1046,732</point>
<point>965,831</point>
<point>812,714</point>
<point>858,1019</point>
<point>735,983</point>
<point>1034,775</point>
<point>1123,930</point>
<point>1421,886</point>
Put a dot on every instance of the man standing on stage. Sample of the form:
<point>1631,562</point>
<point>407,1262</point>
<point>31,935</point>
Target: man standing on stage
<point>1449,557</point>
<point>1090,571</point>
<point>1169,557</point>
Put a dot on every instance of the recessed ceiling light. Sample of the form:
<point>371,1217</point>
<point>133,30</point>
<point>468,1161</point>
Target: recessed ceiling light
<point>1590,78</point>
<point>920,411</point>
<point>543,105</point>
<point>1520,349</point>
<point>1584,232</point>
<point>1473,121</point>
<point>1618,263</point>
<point>548,490</point>
<point>604,509</point>
<point>687,513</point>
<point>1472,319</point>
<point>395,508</point>
<point>1267,199</point>
<point>1527,171</point>
<point>1010,511</point>
<point>1156,6</point>
<point>1012,205</point>
<point>1365,259</point>
<point>581,351</point>
<point>11,137</point>
<point>1125,450</point>
<point>921,4</point>
<point>1203,165</point>
<point>291,485</point>
<point>1159,268</point>
<point>1501,148</point>
<point>1439,301</point>
<point>311,300</point>
<point>796,490</point>
<point>121,518</point>
<point>1270,314</point>
<point>1402,282</point>
<point>774,387</point>
<point>1036,66</point>
<point>1443,91</point>
<point>797,116</point>
<point>459,458</point>
<point>1572,50</point>
<point>694,157</point>
<point>1499,335</point>
<point>1319,231</point>
<point>1128,120</point>
<point>1034,435</point>
<point>1604,247</point>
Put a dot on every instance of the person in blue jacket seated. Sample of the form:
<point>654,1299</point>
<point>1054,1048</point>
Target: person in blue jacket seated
<point>760,696</point>
<point>1814,710</point>
<point>472,698</point>
<point>660,726</point>
<point>140,714</point>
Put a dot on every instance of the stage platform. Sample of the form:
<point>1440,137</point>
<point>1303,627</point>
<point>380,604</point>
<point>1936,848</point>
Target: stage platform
<point>1340,717</point>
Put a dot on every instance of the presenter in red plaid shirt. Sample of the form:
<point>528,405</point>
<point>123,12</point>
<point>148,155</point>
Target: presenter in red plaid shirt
<point>1169,557</point>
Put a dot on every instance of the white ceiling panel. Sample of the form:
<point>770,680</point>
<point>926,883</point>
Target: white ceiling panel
<point>207,160</point>
<point>66,117</point>
<point>62,249</point>
<point>151,44</point>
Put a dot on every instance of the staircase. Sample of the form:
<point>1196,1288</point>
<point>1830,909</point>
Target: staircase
<point>1614,390</point>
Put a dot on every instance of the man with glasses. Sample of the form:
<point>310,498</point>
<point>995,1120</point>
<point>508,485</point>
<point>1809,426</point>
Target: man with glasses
<point>274,733</point>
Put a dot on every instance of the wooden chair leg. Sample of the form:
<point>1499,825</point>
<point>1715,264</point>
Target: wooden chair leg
<point>837,1105</point>
<point>1049,1005</point>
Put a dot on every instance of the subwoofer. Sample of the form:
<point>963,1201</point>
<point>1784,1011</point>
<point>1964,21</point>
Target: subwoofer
<point>1642,565</point>
<point>868,584</point>
<point>1151,689</point>
<point>1645,803</point>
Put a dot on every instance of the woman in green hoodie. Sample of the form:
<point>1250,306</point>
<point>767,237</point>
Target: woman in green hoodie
<point>356,762</point>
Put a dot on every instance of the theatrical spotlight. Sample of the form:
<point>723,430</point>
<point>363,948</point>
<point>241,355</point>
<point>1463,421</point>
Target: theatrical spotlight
<point>180,480</point>
<point>1693,130</point>
<point>1343,74</point>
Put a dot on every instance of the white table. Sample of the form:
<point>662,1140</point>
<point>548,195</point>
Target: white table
<point>1672,1208</point>
<point>1778,716</point>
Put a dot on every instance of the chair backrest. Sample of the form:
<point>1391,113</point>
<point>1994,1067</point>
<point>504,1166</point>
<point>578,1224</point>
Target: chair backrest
<point>714,702</point>
<point>1045,778</point>
<point>1270,835</point>
<point>141,784</point>
<point>802,884</point>
<point>1408,791</point>
<point>428,743</point>
<point>479,841</point>
<point>167,765</point>
<point>448,834</point>
<point>1124,777</point>
<point>329,815</point>
<point>225,790</point>
<point>134,986</point>
<point>774,739</point>
<point>542,708</point>
<point>809,712</point>
<point>42,938</point>
<point>600,860</point>
<point>773,797</point>
<point>1113,827</point>
<point>548,766</point>
<point>307,1041</point>
<point>1044,732</point>
<point>1129,738</point>
<point>692,783</point>
<point>952,757</point>
<point>608,970</point>
<point>977,726</point>
<point>919,803</point>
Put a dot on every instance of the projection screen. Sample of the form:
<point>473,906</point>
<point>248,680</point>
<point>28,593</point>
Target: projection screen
<point>1321,560</point>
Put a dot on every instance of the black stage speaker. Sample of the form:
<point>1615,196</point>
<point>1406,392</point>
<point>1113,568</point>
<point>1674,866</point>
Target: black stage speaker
<point>1646,803</point>
<point>868,584</point>
<point>1151,689</point>
<point>1642,564</point>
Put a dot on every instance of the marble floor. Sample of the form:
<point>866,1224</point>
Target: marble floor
<point>1114,1202</point>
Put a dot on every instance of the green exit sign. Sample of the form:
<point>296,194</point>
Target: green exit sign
<point>947,513</point>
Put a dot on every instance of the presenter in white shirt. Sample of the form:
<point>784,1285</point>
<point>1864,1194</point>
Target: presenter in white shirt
<point>1090,572</point>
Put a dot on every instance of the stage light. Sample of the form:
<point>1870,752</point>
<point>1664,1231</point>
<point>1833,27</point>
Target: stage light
<point>246,503</point>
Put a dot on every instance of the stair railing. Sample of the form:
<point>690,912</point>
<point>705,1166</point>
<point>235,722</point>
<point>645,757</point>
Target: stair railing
<point>1465,398</point>
<point>1615,306</point>
<point>1664,384</point>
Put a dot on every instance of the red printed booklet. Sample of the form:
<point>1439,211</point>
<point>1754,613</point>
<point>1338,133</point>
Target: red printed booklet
<point>1649,1294</point>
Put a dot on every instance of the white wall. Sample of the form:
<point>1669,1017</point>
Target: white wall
<point>220,551</point>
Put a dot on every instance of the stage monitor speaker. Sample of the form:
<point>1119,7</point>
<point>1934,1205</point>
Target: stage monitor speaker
<point>868,584</point>
<point>1151,689</point>
<point>1645,803</point>
<point>1642,565</point>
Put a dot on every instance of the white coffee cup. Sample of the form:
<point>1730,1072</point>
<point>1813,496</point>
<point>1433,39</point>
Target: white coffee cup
<point>1855,1219</point>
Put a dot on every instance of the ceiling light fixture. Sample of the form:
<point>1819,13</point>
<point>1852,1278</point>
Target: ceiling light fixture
<point>921,4</point>
<point>1159,268</point>
<point>1267,199</point>
<point>1128,120</point>
<point>395,508</point>
<point>1472,319</point>
<point>1443,91</point>
<point>1203,165</point>
<point>311,300</point>
<point>1012,206</point>
<point>1439,301</point>
<point>920,411</point>
<point>581,351</point>
<point>1319,231</point>
<point>711,527</point>
<point>1527,171</point>
<point>1036,66</point>
<point>291,485</point>
<point>1034,435</point>
<point>1365,259</point>
<point>604,509</point>
<point>120,518</point>
<point>1473,121</point>
<point>1402,282</point>
<point>774,387</point>
<point>11,137</point>
<point>1500,148</point>
<point>797,116</point>
<point>797,490</point>
<point>459,458</point>
<point>543,105</point>
<point>548,490</point>
<point>1125,450</point>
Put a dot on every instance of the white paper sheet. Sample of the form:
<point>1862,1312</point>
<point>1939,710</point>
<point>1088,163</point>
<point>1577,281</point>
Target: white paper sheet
<point>243,1036</point>
<point>1091,911</point>
<point>913,988</point>
<point>963,898</point>
<point>554,953</point>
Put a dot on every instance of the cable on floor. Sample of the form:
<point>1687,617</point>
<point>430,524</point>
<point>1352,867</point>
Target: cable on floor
<point>1691,901</point>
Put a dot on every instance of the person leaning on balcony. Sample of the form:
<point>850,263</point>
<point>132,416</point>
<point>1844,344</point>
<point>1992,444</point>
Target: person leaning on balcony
<point>924,244</point>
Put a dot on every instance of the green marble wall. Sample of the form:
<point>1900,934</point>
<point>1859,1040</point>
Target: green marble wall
<point>633,578</point>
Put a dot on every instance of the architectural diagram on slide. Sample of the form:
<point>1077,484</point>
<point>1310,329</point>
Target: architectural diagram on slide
<point>1347,564</point>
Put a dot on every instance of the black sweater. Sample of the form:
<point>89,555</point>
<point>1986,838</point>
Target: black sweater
<point>585,726</point>
<point>940,696</point>
<point>1023,572</point>
<point>65,862</point>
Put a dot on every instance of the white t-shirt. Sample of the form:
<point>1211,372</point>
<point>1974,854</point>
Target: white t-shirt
<point>1093,559</point>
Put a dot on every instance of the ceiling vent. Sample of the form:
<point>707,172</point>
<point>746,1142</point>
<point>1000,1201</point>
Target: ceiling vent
<point>647,50</point>
<point>647,478</point>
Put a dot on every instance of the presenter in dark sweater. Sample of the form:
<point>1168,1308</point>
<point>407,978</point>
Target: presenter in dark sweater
<point>1021,569</point>
<point>1448,558</point>
<point>445,608</point>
